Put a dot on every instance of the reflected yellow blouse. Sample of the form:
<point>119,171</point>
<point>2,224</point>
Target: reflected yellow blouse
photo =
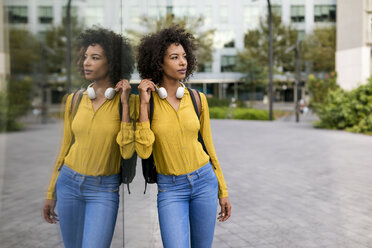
<point>100,139</point>
<point>173,139</point>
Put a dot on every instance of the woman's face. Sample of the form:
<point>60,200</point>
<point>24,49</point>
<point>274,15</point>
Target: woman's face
<point>95,63</point>
<point>174,63</point>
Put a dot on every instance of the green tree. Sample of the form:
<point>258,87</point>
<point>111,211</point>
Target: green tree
<point>319,90</point>
<point>55,41</point>
<point>253,60</point>
<point>256,44</point>
<point>194,25</point>
<point>320,48</point>
<point>24,51</point>
<point>254,74</point>
<point>14,102</point>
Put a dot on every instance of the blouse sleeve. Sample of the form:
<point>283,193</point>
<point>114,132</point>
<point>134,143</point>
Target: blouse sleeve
<point>67,137</point>
<point>144,137</point>
<point>125,137</point>
<point>205,130</point>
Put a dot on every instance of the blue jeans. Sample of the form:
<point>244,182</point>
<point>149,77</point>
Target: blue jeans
<point>87,208</point>
<point>187,208</point>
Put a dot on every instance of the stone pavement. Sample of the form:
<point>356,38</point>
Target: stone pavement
<point>290,186</point>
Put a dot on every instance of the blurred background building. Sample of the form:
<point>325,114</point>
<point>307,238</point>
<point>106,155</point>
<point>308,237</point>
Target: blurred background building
<point>354,40</point>
<point>230,21</point>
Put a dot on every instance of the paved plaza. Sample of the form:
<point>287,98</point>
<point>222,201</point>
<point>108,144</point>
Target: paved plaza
<point>290,186</point>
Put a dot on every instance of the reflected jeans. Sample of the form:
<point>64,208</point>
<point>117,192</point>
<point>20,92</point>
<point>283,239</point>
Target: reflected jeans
<point>87,208</point>
<point>187,208</point>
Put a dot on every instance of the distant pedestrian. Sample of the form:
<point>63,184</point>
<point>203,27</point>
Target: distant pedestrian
<point>188,184</point>
<point>85,182</point>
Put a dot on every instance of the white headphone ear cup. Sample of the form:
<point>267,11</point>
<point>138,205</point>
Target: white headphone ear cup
<point>110,93</point>
<point>91,93</point>
<point>180,92</point>
<point>162,92</point>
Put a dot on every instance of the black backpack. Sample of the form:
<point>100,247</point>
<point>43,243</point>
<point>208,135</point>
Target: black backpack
<point>148,165</point>
<point>127,166</point>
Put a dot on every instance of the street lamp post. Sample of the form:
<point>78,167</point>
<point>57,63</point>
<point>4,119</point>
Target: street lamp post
<point>271,56</point>
<point>297,50</point>
<point>298,78</point>
<point>68,46</point>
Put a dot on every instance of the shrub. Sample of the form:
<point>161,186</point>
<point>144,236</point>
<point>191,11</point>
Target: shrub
<point>14,103</point>
<point>251,114</point>
<point>319,90</point>
<point>215,102</point>
<point>238,113</point>
<point>348,110</point>
<point>217,112</point>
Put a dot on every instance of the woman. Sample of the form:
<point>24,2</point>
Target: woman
<point>85,182</point>
<point>188,184</point>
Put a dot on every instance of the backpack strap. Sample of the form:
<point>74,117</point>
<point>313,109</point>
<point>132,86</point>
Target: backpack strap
<point>128,166</point>
<point>76,99</point>
<point>151,115</point>
<point>151,108</point>
<point>196,101</point>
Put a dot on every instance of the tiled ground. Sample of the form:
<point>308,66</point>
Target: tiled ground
<point>290,186</point>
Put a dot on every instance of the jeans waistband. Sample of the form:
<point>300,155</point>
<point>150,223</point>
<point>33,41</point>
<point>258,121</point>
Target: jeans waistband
<point>198,173</point>
<point>115,178</point>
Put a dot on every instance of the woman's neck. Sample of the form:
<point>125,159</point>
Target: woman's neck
<point>101,85</point>
<point>171,86</point>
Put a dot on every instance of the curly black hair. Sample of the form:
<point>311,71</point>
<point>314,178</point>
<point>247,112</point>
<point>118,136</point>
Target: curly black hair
<point>117,50</point>
<point>152,48</point>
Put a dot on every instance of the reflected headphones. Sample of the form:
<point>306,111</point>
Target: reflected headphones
<point>162,92</point>
<point>109,93</point>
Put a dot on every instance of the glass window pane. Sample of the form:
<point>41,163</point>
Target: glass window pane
<point>94,15</point>
<point>228,63</point>
<point>251,16</point>
<point>45,14</point>
<point>298,13</point>
<point>17,14</point>
<point>325,13</point>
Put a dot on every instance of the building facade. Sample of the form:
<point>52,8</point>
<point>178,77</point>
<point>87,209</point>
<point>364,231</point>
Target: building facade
<point>354,40</point>
<point>230,19</point>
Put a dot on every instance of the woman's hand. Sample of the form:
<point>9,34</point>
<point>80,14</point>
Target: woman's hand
<point>49,215</point>
<point>225,209</point>
<point>125,88</point>
<point>144,90</point>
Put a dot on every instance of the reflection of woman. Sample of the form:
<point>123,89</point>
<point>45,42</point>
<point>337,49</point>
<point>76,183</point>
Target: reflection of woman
<point>188,184</point>
<point>85,180</point>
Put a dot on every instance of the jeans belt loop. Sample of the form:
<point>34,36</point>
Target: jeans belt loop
<point>174,179</point>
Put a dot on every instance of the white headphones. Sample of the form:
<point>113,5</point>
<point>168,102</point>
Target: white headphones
<point>162,92</point>
<point>109,93</point>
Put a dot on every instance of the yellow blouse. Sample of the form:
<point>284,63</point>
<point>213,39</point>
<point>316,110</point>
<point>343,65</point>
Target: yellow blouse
<point>100,138</point>
<point>173,139</point>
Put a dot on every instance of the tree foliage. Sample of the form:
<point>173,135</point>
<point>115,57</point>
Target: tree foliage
<point>55,39</point>
<point>24,51</point>
<point>349,110</point>
<point>319,89</point>
<point>194,25</point>
<point>254,59</point>
<point>319,49</point>
<point>14,102</point>
<point>256,44</point>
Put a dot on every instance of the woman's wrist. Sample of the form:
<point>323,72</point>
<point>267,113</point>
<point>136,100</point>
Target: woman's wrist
<point>143,112</point>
